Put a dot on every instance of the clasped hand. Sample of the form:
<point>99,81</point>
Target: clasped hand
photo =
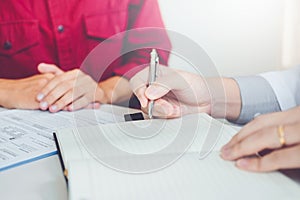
<point>71,90</point>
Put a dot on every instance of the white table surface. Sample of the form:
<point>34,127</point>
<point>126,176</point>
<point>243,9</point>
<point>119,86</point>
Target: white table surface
<point>43,180</point>
<point>39,180</point>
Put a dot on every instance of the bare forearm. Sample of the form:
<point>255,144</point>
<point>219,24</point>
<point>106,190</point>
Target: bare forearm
<point>226,99</point>
<point>233,99</point>
<point>3,91</point>
<point>22,93</point>
<point>116,89</point>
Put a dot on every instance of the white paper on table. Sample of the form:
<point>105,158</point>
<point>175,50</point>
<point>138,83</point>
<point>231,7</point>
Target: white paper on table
<point>27,135</point>
<point>187,178</point>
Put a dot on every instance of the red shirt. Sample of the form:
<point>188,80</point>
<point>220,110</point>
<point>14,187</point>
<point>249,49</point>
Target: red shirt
<point>63,32</point>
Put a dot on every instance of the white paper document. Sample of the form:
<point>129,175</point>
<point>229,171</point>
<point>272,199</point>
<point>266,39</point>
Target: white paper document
<point>97,171</point>
<point>28,135</point>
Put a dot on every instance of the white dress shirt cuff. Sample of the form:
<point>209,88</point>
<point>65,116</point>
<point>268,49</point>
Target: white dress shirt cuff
<point>286,85</point>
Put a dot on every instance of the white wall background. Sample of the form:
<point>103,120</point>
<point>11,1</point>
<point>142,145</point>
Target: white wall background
<point>241,36</point>
<point>291,33</point>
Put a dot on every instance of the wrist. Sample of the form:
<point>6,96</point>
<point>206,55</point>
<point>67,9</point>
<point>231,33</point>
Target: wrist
<point>225,98</point>
<point>115,90</point>
<point>4,92</point>
<point>100,95</point>
<point>233,99</point>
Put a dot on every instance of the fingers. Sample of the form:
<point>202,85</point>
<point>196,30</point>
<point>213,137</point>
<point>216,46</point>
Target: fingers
<point>57,98</point>
<point>267,138</point>
<point>66,89</point>
<point>165,109</point>
<point>59,80</point>
<point>153,92</point>
<point>56,105</point>
<point>263,139</point>
<point>49,68</point>
<point>268,120</point>
<point>256,142</point>
<point>71,90</point>
<point>138,85</point>
<point>74,99</point>
<point>286,158</point>
<point>83,102</point>
<point>292,133</point>
<point>167,80</point>
<point>93,105</point>
<point>156,91</point>
<point>260,122</point>
<point>59,86</point>
<point>140,94</point>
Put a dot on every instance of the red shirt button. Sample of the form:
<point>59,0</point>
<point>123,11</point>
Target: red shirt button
<point>7,45</point>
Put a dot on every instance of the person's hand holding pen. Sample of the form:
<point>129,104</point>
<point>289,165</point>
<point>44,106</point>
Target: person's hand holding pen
<point>172,93</point>
<point>176,93</point>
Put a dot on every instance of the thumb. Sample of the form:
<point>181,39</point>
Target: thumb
<point>167,81</point>
<point>156,91</point>
<point>49,68</point>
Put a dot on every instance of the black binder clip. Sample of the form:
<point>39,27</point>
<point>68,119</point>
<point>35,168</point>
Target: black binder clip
<point>134,117</point>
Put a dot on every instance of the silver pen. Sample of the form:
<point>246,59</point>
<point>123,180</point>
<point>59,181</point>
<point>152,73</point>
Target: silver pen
<point>154,62</point>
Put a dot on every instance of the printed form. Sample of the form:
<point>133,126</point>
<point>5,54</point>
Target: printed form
<point>27,135</point>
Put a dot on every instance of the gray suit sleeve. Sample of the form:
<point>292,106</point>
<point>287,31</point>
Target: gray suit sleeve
<point>257,98</point>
